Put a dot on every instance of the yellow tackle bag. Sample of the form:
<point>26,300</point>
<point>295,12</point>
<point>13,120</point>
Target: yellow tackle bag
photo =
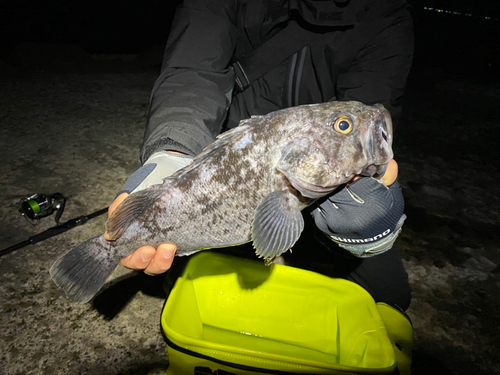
<point>230,315</point>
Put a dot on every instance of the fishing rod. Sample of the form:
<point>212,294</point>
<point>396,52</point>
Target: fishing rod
<point>37,206</point>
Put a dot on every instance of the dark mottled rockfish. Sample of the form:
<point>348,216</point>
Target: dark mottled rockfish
<point>249,185</point>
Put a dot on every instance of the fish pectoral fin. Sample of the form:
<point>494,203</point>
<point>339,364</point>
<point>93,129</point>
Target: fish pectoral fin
<point>277,224</point>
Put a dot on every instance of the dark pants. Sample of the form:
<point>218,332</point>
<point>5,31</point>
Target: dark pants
<point>383,276</point>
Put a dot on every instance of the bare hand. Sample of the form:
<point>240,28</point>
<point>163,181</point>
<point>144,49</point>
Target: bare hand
<point>152,261</point>
<point>391,174</point>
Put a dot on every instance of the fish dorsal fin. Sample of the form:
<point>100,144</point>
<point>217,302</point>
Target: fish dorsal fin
<point>129,210</point>
<point>277,225</point>
<point>221,141</point>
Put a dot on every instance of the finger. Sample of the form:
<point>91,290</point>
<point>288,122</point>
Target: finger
<point>162,260</point>
<point>119,199</point>
<point>391,173</point>
<point>140,259</point>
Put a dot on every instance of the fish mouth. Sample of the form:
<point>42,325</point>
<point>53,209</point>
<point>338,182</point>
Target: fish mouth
<point>315,191</point>
<point>308,189</point>
<point>374,170</point>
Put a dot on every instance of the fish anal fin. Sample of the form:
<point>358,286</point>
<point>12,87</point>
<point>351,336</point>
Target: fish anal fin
<point>277,224</point>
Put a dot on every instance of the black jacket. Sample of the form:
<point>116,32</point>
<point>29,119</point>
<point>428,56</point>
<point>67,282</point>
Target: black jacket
<point>363,52</point>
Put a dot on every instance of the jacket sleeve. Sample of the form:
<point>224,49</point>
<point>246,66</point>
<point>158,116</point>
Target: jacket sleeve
<point>193,92</point>
<point>380,69</point>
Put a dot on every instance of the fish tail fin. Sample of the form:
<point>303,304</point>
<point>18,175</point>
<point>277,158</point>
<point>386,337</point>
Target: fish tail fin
<point>129,210</point>
<point>85,269</point>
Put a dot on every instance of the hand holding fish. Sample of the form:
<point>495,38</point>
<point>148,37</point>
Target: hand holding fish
<point>153,261</point>
<point>366,216</point>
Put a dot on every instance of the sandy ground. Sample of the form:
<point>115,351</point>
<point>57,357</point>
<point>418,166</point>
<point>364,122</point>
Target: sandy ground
<point>73,123</point>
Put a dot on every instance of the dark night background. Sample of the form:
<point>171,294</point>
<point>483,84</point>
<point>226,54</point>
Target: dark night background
<point>130,26</point>
<point>75,79</point>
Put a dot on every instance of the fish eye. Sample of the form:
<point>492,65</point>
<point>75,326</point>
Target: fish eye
<point>343,125</point>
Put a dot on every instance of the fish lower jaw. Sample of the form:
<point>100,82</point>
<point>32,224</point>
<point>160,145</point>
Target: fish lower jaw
<point>308,189</point>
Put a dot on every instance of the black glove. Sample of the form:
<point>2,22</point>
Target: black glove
<point>365,217</point>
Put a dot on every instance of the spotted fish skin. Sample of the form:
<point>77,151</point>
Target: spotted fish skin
<point>249,185</point>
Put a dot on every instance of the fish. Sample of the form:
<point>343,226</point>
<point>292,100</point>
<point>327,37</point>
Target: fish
<point>249,185</point>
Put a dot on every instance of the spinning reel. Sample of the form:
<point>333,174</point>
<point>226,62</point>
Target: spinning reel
<point>36,206</point>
